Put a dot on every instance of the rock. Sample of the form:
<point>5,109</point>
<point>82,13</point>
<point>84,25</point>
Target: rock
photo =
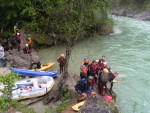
<point>121,12</point>
<point>19,59</point>
<point>143,16</point>
<point>94,104</point>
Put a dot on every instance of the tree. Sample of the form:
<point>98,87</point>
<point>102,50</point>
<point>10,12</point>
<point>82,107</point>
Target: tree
<point>72,19</point>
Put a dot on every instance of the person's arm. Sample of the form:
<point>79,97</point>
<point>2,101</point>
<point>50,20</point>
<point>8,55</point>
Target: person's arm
<point>58,60</point>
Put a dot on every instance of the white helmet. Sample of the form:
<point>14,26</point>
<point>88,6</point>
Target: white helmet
<point>17,33</point>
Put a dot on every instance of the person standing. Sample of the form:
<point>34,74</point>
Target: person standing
<point>2,56</point>
<point>29,40</point>
<point>84,69</point>
<point>102,81</point>
<point>16,28</point>
<point>18,41</point>
<point>61,61</point>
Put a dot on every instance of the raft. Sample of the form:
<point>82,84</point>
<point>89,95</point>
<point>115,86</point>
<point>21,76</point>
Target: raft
<point>45,67</point>
<point>32,87</point>
<point>77,106</point>
<point>26,72</point>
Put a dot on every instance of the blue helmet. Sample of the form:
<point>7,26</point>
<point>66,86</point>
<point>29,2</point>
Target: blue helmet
<point>29,34</point>
<point>85,58</point>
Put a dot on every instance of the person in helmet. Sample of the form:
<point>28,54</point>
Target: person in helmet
<point>18,39</point>
<point>101,60</point>
<point>84,69</point>
<point>102,80</point>
<point>29,41</point>
<point>16,28</point>
<point>26,49</point>
<point>61,61</point>
<point>83,88</point>
<point>111,77</point>
<point>92,70</point>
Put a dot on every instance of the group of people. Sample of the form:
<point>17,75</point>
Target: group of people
<point>95,73</point>
<point>27,47</point>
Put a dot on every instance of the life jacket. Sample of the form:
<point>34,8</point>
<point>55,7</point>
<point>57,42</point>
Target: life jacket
<point>61,60</point>
<point>84,69</point>
<point>29,41</point>
<point>15,27</point>
<point>25,50</point>
<point>18,40</point>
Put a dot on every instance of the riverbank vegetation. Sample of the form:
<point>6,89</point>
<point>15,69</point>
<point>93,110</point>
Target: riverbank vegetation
<point>48,21</point>
<point>7,105</point>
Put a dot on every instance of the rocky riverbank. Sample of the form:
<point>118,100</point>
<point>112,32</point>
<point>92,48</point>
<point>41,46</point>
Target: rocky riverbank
<point>129,13</point>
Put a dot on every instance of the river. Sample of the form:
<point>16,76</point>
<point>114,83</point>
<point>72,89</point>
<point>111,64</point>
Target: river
<point>126,51</point>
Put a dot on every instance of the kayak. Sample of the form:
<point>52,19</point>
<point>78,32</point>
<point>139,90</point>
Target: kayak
<point>45,67</point>
<point>26,72</point>
<point>77,106</point>
<point>31,87</point>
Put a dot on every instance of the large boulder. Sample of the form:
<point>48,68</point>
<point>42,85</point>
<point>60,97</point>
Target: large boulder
<point>19,59</point>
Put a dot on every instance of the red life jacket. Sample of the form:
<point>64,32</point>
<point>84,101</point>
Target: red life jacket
<point>94,67</point>
<point>61,59</point>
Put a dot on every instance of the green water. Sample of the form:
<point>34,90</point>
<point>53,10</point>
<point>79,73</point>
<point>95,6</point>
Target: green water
<point>127,51</point>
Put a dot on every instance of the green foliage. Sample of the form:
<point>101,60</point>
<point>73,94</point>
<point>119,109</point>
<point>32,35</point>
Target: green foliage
<point>66,94</point>
<point>61,107</point>
<point>7,80</point>
<point>48,110</point>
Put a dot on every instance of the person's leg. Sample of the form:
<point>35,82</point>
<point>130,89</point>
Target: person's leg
<point>83,97</point>
<point>2,61</point>
<point>111,85</point>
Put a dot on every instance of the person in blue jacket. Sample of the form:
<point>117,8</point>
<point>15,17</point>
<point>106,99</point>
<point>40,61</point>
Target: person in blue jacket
<point>83,88</point>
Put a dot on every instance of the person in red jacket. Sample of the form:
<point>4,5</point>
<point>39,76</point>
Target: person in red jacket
<point>101,60</point>
<point>92,70</point>
<point>61,61</point>
<point>18,39</point>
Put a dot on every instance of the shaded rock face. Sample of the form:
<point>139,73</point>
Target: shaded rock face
<point>143,16</point>
<point>19,59</point>
<point>94,104</point>
<point>122,12</point>
<point>128,12</point>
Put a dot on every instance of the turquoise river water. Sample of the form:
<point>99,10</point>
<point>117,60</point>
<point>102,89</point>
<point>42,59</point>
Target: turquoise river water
<point>127,51</point>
